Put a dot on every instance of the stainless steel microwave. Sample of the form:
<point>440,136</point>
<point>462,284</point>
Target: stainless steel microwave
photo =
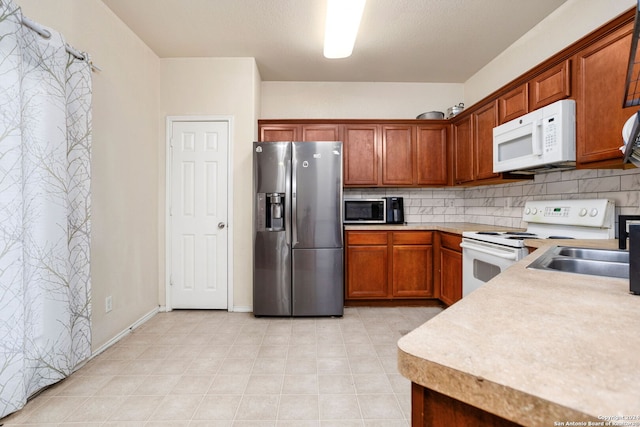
<point>365,211</point>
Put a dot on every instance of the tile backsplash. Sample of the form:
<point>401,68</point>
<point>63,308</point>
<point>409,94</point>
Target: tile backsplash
<point>502,204</point>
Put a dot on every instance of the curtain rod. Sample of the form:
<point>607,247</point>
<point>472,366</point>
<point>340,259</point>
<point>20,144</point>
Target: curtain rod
<point>43,32</point>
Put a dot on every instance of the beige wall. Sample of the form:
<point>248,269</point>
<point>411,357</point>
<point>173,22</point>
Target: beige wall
<point>356,100</point>
<point>567,24</point>
<point>225,87</point>
<point>124,159</point>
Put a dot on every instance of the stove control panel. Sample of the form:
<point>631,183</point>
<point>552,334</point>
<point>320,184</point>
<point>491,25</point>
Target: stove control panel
<point>585,213</point>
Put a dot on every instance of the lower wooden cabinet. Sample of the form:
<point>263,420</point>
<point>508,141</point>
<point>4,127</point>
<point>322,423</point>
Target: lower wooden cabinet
<point>449,275</point>
<point>433,409</point>
<point>388,265</point>
<point>412,264</point>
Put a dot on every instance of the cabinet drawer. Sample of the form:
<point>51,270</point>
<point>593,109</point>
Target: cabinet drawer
<point>413,238</point>
<point>451,241</point>
<point>366,237</point>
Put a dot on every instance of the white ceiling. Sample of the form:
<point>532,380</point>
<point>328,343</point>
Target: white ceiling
<point>438,41</point>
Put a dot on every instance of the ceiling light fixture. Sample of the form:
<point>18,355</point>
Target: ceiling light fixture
<point>341,27</point>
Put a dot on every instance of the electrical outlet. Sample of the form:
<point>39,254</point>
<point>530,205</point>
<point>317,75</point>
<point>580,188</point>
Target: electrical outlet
<point>108,304</point>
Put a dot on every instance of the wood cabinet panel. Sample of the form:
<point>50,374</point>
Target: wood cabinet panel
<point>550,86</point>
<point>367,272</point>
<point>431,155</point>
<point>412,271</point>
<point>600,80</point>
<point>361,155</point>
<point>513,104</point>
<point>412,238</point>
<point>367,237</point>
<point>321,132</point>
<point>432,409</point>
<point>284,132</point>
<point>484,120</point>
<point>464,151</point>
<point>451,241</point>
<point>450,276</point>
<point>397,154</point>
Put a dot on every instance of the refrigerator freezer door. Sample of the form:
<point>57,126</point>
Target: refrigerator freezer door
<point>317,195</point>
<point>272,275</point>
<point>317,282</point>
<point>272,248</point>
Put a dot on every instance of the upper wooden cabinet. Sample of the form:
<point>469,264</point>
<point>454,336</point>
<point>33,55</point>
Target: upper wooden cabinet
<point>361,152</point>
<point>513,104</point>
<point>398,143</point>
<point>464,151</point>
<point>279,132</point>
<point>431,155</point>
<point>600,81</point>
<point>484,120</point>
<point>321,132</point>
<point>550,86</point>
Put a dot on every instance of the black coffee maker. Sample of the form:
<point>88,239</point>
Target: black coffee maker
<point>395,210</point>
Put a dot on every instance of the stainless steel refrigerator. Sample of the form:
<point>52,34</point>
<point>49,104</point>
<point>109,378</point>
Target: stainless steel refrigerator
<point>298,248</point>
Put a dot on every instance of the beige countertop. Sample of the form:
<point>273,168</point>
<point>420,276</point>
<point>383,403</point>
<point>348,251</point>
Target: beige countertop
<point>449,227</point>
<point>535,347</point>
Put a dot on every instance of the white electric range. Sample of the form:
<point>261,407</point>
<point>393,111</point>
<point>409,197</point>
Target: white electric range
<point>485,254</point>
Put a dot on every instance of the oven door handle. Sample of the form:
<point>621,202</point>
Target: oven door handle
<point>484,250</point>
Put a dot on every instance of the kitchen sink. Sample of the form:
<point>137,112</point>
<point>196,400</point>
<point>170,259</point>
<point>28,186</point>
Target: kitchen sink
<point>594,262</point>
<point>595,254</point>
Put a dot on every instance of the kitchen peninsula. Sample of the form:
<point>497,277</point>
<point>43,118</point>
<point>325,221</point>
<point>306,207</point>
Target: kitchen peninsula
<point>530,347</point>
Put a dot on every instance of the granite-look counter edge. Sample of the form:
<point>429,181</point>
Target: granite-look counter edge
<point>534,347</point>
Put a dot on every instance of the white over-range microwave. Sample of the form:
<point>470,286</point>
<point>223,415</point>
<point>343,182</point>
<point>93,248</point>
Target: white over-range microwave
<point>542,140</point>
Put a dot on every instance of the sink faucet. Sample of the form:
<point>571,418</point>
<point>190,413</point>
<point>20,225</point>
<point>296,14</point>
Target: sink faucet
<point>623,234</point>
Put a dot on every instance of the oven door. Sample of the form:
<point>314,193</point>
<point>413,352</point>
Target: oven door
<point>482,261</point>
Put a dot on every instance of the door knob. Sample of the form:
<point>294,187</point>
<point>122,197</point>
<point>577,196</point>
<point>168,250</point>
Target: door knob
<point>221,225</point>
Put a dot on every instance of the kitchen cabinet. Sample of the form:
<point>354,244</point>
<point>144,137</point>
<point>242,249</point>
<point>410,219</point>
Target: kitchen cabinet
<point>550,86</point>
<point>361,152</point>
<point>484,120</point>
<point>464,151</point>
<point>431,155</point>
<point>321,132</point>
<point>432,409</point>
<point>412,264</point>
<point>388,265</point>
<point>449,274</point>
<point>600,82</point>
<point>397,154</point>
<point>280,132</point>
<point>513,104</point>
<point>366,265</point>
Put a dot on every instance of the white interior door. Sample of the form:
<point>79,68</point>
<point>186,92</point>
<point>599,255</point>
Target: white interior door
<point>198,214</point>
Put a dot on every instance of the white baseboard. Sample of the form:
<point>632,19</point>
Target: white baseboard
<point>242,309</point>
<point>124,333</point>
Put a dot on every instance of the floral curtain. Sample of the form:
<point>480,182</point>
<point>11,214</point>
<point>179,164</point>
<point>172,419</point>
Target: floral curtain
<point>45,146</point>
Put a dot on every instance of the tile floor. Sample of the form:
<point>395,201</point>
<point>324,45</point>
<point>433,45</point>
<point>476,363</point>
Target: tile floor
<point>214,368</point>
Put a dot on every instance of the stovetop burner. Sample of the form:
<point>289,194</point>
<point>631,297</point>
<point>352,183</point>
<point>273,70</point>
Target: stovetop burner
<point>560,237</point>
<point>488,233</point>
<point>528,236</point>
<point>519,233</point>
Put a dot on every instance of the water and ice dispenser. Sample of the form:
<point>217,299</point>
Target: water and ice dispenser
<point>271,212</point>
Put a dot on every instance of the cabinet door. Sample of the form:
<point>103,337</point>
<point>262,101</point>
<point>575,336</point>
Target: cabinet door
<point>550,86</point>
<point>397,155</point>
<point>367,269</point>
<point>287,132</point>
<point>463,151</point>
<point>431,155</point>
<point>484,120</point>
<point>361,154</point>
<point>450,275</point>
<point>600,80</point>
<point>412,271</point>
<point>513,104</point>
<point>321,132</point>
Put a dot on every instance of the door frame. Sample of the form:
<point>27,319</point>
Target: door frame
<point>167,215</point>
